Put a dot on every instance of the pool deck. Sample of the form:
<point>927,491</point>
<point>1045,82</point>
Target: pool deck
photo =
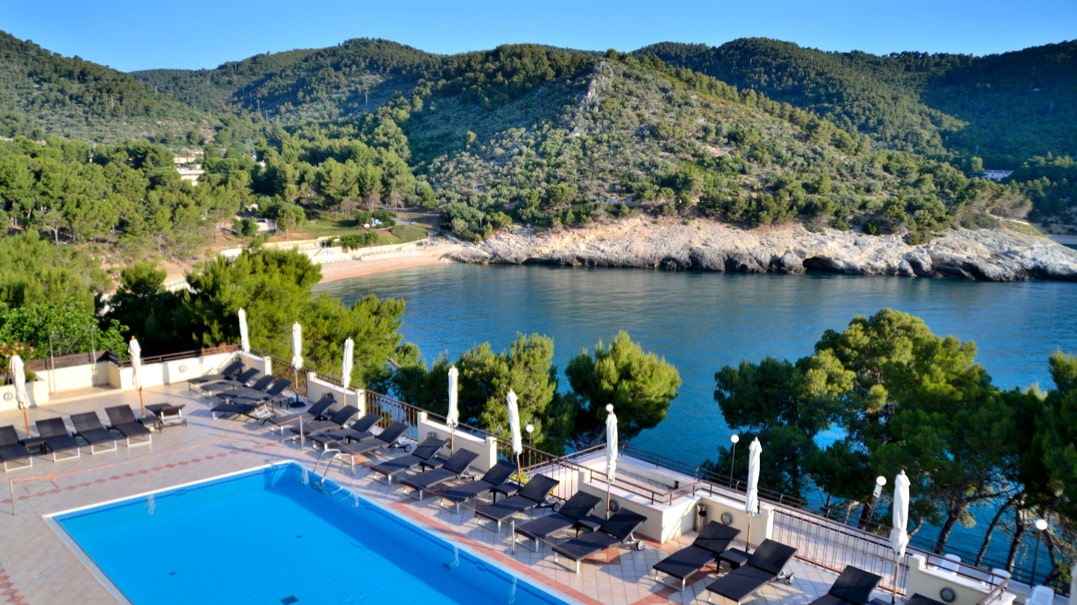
<point>38,564</point>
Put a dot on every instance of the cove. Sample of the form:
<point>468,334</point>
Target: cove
<point>700,322</point>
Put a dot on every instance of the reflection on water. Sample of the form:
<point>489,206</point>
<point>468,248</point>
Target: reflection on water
<point>700,322</point>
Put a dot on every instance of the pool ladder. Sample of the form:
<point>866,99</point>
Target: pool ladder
<point>319,483</point>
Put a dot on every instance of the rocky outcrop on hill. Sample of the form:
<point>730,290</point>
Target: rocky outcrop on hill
<point>702,245</point>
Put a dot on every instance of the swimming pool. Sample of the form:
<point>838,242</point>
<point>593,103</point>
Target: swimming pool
<point>268,536</point>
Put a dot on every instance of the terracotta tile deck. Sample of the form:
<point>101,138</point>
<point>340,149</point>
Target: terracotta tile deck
<point>39,565</point>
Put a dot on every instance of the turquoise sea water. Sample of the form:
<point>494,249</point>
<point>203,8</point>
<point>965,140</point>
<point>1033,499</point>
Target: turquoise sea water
<point>268,537</point>
<point>700,322</point>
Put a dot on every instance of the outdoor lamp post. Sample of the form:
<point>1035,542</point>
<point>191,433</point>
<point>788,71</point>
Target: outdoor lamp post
<point>1040,525</point>
<point>733,456</point>
<point>530,428</point>
<point>880,481</point>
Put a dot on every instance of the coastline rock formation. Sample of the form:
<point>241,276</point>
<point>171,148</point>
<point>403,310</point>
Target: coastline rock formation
<point>702,245</point>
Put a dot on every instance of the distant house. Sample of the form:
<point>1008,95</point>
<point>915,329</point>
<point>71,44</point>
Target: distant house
<point>996,175</point>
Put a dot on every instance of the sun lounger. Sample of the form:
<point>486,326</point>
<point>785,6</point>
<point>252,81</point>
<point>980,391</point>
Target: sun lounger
<point>350,451</point>
<point>532,494</point>
<point>616,530</point>
<point>356,431</point>
<point>230,371</point>
<point>711,540</point>
<point>242,379</point>
<point>88,426</point>
<point>764,565</point>
<point>575,512</point>
<point>272,394</point>
<point>254,391</point>
<point>497,476</point>
<point>57,439</point>
<point>13,449</point>
<point>337,420</point>
<point>455,466</point>
<point>424,455</point>
<point>256,410</point>
<point>122,418</point>
<point>853,587</point>
<point>316,411</point>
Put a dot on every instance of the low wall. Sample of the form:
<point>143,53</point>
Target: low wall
<point>731,512</point>
<point>486,448</point>
<point>317,388</point>
<point>951,585</point>
<point>52,384</point>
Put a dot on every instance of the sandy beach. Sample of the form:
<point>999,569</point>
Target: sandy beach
<point>416,257</point>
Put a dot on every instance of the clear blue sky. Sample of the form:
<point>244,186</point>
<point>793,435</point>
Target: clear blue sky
<point>129,35</point>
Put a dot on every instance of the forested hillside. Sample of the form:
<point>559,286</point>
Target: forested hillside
<point>44,94</point>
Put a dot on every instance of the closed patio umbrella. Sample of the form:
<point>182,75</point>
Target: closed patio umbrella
<point>297,359</point>
<point>244,335</point>
<point>899,535</point>
<point>17,372</point>
<point>514,428</point>
<point>611,452</point>
<point>346,365</point>
<point>751,500</point>
<point>453,417</point>
<point>297,345</point>
<point>134,350</point>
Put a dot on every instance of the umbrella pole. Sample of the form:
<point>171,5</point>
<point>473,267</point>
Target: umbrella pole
<point>141,404</point>
<point>897,564</point>
<point>607,497</point>
<point>748,538</point>
<point>26,419</point>
<point>519,472</point>
<point>452,440</point>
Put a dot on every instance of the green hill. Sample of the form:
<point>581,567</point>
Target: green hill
<point>44,94</point>
<point>1004,108</point>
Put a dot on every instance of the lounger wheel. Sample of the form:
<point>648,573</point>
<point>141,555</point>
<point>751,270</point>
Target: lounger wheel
<point>639,545</point>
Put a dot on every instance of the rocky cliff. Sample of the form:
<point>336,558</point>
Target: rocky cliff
<point>700,245</point>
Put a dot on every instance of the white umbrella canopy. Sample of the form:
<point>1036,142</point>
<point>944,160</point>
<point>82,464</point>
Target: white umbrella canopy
<point>611,444</point>
<point>134,350</point>
<point>346,364</point>
<point>751,500</point>
<point>452,418</point>
<point>514,429</point>
<point>17,372</point>
<point>611,452</point>
<point>297,345</point>
<point>244,335</point>
<point>899,535</point>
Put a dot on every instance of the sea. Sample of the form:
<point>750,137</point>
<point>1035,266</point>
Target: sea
<point>700,322</point>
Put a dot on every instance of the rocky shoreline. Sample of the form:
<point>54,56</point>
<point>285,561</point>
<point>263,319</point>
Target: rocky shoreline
<point>997,254</point>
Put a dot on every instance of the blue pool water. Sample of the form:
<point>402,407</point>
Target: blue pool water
<point>266,537</point>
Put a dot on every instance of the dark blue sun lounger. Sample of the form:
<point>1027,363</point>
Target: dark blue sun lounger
<point>575,512</point>
<point>57,439</point>
<point>531,495</point>
<point>13,449</point>
<point>495,478</point>
<point>455,466</point>
<point>230,371</point>
<point>122,418</point>
<point>764,565</point>
<point>616,530</point>
<point>710,542</point>
<point>853,587</point>
<point>349,451</point>
<point>89,427</point>
<point>425,454</point>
